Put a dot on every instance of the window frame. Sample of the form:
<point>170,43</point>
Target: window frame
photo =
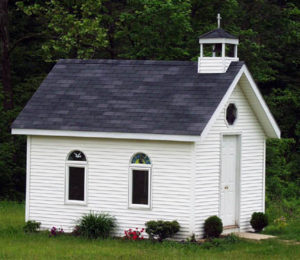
<point>237,114</point>
<point>76,164</point>
<point>139,167</point>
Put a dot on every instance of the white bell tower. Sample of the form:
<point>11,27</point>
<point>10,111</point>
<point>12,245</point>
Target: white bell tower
<point>218,49</point>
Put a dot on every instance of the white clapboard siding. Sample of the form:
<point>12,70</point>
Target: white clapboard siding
<point>108,167</point>
<point>207,191</point>
<point>214,64</point>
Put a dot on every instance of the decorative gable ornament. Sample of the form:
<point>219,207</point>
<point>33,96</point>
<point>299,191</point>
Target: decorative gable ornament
<point>218,49</point>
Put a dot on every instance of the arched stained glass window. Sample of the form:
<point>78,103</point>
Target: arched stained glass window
<point>140,158</point>
<point>76,156</point>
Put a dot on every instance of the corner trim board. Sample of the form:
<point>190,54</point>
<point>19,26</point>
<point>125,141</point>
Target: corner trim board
<point>264,178</point>
<point>27,194</point>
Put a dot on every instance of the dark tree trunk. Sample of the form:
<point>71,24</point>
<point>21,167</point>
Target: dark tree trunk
<point>6,77</point>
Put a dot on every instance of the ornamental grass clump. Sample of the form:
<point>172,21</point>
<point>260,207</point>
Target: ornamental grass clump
<point>94,225</point>
<point>259,221</point>
<point>213,227</point>
<point>161,230</point>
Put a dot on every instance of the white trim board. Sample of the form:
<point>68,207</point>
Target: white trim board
<point>113,135</point>
<point>82,164</point>
<point>264,108</point>
<point>27,196</point>
<point>218,40</point>
<point>262,111</point>
<point>141,167</point>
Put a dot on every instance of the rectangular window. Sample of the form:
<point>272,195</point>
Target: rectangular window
<point>76,183</point>
<point>140,187</point>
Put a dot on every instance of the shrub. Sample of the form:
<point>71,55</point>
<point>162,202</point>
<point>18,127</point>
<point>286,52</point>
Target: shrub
<point>95,225</point>
<point>213,227</point>
<point>134,234</point>
<point>161,229</point>
<point>31,226</point>
<point>258,221</point>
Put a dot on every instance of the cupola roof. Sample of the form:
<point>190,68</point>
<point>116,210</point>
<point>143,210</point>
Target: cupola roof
<point>217,33</point>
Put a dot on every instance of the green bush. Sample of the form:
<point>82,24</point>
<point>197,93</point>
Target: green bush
<point>258,221</point>
<point>213,227</point>
<point>95,225</point>
<point>31,226</point>
<point>161,229</point>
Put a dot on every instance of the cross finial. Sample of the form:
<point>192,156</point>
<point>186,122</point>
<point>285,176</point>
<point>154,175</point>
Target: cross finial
<point>219,20</point>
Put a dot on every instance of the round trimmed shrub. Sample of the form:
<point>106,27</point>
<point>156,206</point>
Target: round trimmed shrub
<point>161,229</point>
<point>213,227</point>
<point>95,225</point>
<point>259,221</point>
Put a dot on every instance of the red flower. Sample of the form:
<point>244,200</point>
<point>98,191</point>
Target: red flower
<point>134,235</point>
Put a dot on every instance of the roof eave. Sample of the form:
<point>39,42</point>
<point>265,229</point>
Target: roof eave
<point>218,31</point>
<point>266,118</point>
<point>109,135</point>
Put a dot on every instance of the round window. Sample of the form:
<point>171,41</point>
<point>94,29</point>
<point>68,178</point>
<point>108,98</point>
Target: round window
<point>231,114</point>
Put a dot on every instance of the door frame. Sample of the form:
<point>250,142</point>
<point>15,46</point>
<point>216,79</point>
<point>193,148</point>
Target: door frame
<point>239,136</point>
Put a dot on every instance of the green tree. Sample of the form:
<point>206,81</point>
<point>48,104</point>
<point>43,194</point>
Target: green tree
<point>155,29</point>
<point>72,27</point>
<point>38,32</point>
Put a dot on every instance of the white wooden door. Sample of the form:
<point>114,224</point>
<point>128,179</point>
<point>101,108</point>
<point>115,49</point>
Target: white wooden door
<point>229,179</point>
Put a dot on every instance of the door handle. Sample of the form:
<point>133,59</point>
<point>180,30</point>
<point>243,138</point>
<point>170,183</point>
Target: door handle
<point>226,187</point>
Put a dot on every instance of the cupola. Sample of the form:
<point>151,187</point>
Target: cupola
<point>218,49</point>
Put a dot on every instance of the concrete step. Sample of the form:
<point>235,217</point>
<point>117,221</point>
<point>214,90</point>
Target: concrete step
<point>230,229</point>
<point>253,236</point>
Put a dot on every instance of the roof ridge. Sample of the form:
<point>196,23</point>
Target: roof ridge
<point>125,62</point>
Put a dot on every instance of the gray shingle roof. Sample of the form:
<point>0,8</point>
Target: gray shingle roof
<point>158,97</point>
<point>217,33</point>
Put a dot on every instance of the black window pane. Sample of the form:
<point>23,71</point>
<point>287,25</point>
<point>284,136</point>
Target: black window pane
<point>231,114</point>
<point>76,183</point>
<point>140,187</point>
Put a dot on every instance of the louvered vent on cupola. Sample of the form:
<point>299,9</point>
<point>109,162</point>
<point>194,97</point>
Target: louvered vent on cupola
<point>218,49</point>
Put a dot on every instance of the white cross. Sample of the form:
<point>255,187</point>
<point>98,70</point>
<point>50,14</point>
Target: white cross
<point>219,20</point>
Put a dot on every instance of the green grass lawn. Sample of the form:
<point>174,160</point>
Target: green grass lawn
<point>14,244</point>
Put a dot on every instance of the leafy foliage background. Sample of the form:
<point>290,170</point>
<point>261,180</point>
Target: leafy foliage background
<point>42,31</point>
